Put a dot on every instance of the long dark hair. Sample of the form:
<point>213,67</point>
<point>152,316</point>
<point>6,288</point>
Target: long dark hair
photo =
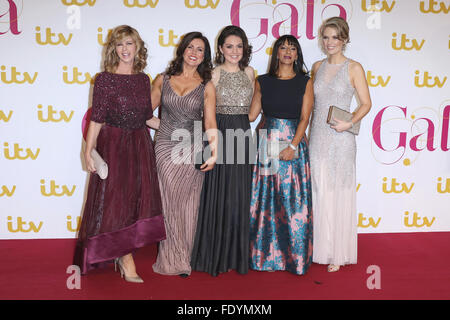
<point>247,48</point>
<point>204,69</point>
<point>299,65</point>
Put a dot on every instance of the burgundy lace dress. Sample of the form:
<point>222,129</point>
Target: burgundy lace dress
<point>124,211</point>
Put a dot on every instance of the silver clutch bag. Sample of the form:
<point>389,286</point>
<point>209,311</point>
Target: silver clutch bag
<point>100,165</point>
<point>339,114</point>
<point>275,147</point>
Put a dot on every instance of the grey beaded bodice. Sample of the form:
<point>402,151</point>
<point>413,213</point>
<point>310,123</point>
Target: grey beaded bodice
<point>234,93</point>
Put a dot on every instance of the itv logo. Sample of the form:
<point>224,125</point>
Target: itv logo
<point>23,226</point>
<point>52,115</point>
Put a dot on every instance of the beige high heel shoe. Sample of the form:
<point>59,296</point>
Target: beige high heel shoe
<point>118,262</point>
<point>333,268</point>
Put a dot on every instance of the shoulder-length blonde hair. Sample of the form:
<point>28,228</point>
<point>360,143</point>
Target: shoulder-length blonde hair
<point>111,60</point>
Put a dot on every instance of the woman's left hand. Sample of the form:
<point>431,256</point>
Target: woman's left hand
<point>287,154</point>
<point>208,164</point>
<point>340,125</point>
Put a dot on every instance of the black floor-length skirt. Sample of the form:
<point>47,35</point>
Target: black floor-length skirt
<point>222,235</point>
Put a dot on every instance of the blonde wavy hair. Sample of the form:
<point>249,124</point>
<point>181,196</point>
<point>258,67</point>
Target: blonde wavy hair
<point>111,60</point>
<point>341,27</point>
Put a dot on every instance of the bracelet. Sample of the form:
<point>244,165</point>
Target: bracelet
<point>292,147</point>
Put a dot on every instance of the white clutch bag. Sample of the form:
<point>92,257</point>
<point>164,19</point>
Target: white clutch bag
<point>100,165</point>
<point>275,147</point>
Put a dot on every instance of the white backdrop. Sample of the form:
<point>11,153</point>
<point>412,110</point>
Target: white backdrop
<point>50,49</point>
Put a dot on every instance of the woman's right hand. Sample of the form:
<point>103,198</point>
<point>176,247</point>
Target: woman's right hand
<point>208,164</point>
<point>89,162</point>
<point>91,142</point>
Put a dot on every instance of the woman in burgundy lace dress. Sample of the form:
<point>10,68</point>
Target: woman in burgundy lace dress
<point>124,211</point>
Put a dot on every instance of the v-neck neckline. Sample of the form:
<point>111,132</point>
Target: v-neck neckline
<point>182,96</point>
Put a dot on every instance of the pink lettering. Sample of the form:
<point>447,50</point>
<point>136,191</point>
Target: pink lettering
<point>430,136</point>
<point>445,131</point>
<point>310,16</point>
<point>376,130</point>
<point>414,141</point>
<point>12,18</point>
<point>294,23</point>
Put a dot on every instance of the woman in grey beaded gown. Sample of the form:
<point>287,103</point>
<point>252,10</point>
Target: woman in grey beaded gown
<point>183,93</point>
<point>332,149</point>
<point>222,236</point>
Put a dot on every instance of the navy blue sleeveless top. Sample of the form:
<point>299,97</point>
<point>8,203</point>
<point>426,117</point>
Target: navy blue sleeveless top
<point>282,99</point>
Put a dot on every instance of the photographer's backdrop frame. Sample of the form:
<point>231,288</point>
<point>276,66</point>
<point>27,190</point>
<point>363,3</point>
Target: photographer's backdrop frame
<point>51,48</point>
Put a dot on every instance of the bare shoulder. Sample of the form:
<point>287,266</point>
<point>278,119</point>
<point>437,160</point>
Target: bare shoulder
<point>216,71</point>
<point>209,87</point>
<point>215,75</point>
<point>257,86</point>
<point>157,82</point>
<point>315,67</point>
<point>250,72</point>
<point>209,94</point>
<point>355,67</point>
<point>357,74</point>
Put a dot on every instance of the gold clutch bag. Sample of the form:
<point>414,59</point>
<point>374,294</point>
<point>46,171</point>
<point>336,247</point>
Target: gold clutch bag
<point>101,167</point>
<point>339,114</point>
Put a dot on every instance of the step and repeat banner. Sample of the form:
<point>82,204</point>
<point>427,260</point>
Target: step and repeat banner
<point>51,49</point>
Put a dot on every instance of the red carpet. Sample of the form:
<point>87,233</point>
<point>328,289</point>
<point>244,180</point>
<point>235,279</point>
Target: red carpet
<point>412,266</point>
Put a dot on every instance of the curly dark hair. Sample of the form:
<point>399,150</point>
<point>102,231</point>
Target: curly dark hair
<point>204,69</point>
<point>247,50</point>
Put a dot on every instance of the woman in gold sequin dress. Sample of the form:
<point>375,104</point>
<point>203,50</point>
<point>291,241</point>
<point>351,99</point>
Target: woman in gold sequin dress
<point>221,240</point>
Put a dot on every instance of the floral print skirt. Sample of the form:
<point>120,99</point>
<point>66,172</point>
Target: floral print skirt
<point>281,228</point>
